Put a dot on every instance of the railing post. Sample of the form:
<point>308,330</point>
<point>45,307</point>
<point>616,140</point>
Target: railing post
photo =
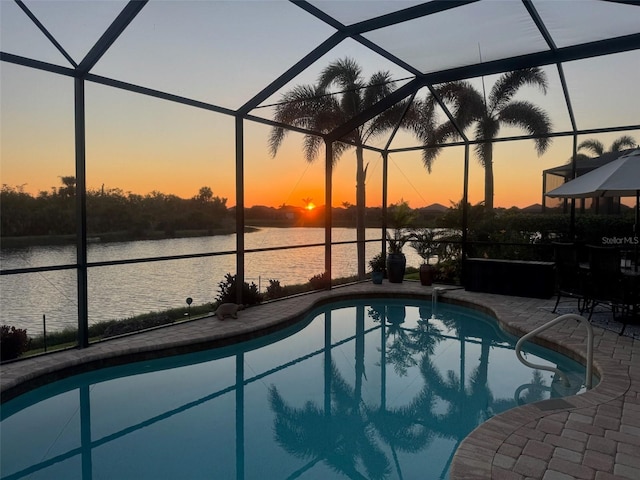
<point>549,324</point>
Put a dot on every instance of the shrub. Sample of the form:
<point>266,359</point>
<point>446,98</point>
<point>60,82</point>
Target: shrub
<point>135,324</point>
<point>110,328</point>
<point>228,290</point>
<point>448,272</point>
<point>13,342</point>
<point>275,290</point>
<point>320,281</point>
<point>67,336</point>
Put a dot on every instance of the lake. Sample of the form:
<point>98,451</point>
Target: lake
<point>122,291</point>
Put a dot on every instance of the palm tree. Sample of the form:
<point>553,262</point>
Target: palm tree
<point>307,201</point>
<point>471,107</point>
<point>342,438</point>
<point>597,147</point>
<point>69,188</point>
<point>317,108</point>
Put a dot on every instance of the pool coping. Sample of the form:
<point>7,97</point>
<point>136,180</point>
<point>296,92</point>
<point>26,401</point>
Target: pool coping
<point>591,436</point>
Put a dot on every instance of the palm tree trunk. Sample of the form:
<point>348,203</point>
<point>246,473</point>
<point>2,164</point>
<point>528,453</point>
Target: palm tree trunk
<point>359,356</point>
<point>488,176</point>
<point>360,210</point>
<point>483,368</point>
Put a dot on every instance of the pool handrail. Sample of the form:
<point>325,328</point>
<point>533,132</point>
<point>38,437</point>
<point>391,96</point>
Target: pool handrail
<point>551,323</point>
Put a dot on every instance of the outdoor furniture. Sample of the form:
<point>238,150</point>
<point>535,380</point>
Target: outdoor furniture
<point>620,178</point>
<point>631,296</point>
<point>569,277</point>
<point>604,279</point>
<point>510,277</point>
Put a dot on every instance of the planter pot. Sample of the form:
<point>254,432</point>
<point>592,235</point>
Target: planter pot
<point>377,277</point>
<point>396,315</point>
<point>426,274</point>
<point>396,265</point>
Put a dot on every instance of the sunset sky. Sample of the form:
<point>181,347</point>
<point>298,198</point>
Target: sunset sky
<point>226,52</point>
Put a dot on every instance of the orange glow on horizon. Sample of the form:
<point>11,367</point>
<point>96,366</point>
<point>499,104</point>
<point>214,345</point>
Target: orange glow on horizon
<point>285,181</point>
<point>167,149</point>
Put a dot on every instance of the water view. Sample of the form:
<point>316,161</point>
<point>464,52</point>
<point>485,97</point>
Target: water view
<point>126,290</point>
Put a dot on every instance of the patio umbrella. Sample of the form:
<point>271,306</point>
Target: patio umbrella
<point>620,178</point>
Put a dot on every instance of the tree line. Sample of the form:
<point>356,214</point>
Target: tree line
<point>52,213</point>
<point>115,215</point>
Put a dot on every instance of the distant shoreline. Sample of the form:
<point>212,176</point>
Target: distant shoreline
<point>50,240</point>
<point>112,237</point>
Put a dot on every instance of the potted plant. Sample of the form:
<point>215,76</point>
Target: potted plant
<point>377,268</point>
<point>401,218</point>
<point>423,241</point>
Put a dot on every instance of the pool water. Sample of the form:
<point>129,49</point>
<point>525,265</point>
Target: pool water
<point>383,389</point>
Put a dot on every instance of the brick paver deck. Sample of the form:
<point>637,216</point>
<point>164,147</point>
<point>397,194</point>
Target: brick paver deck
<point>595,435</point>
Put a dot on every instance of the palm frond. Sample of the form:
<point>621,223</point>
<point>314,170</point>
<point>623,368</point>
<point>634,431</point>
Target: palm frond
<point>295,109</point>
<point>530,118</point>
<point>421,118</point>
<point>450,92</point>
<point>299,107</point>
<point>386,121</point>
<point>595,146</point>
<point>344,73</point>
<point>423,123</point>
<point>447,132</point>
<point>311,147</point>
<point>338,149</point>
<point>377,88</point>
<point>275,140</point>
<point>463,101</point>
<point>306,107</point>
<point>509,83</point>
<point>621,142</point>
<point>297,103</point>
<point>328,117</point>
<point>429,155</point>
<point>425,130</point>
<point>438,136</point>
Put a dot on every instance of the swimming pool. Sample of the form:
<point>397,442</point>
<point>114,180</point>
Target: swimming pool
<point>359,389</point>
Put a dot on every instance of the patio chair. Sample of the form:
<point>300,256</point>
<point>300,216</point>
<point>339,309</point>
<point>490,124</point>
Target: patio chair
<point>569,277</point>
<point>604,284</point>
<point>631,295</point>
